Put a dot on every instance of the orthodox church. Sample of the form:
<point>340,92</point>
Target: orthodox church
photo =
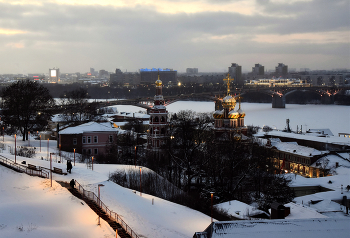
<point>227,119</point>
<point>158,121</point>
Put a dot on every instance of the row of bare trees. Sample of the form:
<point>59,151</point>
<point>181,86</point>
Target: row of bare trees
<point>198,161</point>
<point>28,106</point>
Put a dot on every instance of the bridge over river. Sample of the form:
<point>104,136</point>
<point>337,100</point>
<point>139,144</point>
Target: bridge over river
<point>277,94</point>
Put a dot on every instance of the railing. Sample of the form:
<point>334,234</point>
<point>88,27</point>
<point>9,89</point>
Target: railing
<point>112,215</point>
<point>40,171</point>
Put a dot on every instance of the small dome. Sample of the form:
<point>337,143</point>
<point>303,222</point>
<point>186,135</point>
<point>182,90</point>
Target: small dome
<point>158,83</point>
<point>218,114</point>
<point>241,113</point>
<point>233,114</point>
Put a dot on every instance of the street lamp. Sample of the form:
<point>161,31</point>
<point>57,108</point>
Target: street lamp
<point>74,156</point>
<point>48,148</point>
<point>135,156</point>
<point>51,168</point>
<point>15,148</point>
<point>211,195</point>
<point>92,159</point>
<point>140,183</point>
<point>99,201</point>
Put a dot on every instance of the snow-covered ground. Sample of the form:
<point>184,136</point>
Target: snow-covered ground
<point>29,207</point>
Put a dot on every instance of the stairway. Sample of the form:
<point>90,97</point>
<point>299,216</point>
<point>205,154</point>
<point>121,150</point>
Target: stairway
<point>92,204</point>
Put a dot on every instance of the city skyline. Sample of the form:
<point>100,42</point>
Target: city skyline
<point>209,35</point>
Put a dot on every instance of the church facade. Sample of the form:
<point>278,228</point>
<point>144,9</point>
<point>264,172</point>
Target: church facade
<point>228,119</point>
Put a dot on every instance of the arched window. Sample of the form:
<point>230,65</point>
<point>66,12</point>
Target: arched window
<point>156,119</point>
<point>162,119</point>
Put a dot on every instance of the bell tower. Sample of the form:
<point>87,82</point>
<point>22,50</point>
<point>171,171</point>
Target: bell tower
<point>158,121</point>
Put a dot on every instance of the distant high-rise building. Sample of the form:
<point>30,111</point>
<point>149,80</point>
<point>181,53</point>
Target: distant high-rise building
<point>281,69</point>
<point>235,72</point>
<point>192,71</point>
<point>92,71</point>
<point>103,74</point>
<point>258,69</point>
<point>54,75</point>
<point>120,78</point>
<point>151,75</point>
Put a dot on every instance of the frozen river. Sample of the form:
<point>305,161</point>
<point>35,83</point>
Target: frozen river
<point>333,117</point>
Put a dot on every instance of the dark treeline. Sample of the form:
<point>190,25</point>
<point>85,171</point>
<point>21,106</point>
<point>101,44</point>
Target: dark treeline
<point>147,91</point>
<point>197,162</point>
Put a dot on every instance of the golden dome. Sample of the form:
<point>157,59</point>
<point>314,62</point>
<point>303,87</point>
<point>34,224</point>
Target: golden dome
<point>158,82</point>
<point>229,102</point>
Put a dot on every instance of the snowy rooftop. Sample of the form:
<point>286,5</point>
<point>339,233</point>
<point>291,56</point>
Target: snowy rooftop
<point>300,211</point>
<point>294,148</point>
<point>307,136</point>
<point>90,127</point>
<point>282,228</point>
<point>239,209</point>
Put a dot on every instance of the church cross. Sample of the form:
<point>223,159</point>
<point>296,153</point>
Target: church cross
<point>228,79</point>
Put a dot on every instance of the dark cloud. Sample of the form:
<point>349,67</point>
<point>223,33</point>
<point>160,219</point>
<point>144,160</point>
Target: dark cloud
<point>77,37</point>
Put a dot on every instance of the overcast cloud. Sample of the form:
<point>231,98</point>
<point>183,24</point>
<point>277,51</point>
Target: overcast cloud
<point>210,35</point>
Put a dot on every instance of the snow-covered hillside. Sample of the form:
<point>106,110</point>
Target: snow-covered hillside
<point>29,207</point>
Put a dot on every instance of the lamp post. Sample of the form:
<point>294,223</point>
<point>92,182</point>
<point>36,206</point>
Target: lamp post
<point>51,168</point>
<point>3,134</point>
<point>99,201</point>
<point>211,195</point>
<point>15,148</point>
<point>47,148</point>
<point>135,156</point>
<point>40,142</point>
<point>140,183</point>
<point>74,156</point>
<point>92,158</point>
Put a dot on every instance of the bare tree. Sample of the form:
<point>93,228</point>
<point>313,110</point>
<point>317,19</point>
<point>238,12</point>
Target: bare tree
<point>26,105</point>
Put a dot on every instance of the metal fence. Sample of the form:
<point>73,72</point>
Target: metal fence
<point>112,215</point>
<point>38,171</point>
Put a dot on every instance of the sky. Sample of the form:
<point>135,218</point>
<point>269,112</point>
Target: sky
<point>74,35</point>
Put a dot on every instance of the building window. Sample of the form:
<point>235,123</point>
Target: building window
<point>89,151</point>
<point>95,139</point>
<point>84,151</point>
<point>95,151</point>
<point>110,138</point>
<point>89,139</point>
<point>84,139</point>
<point>74,141</point>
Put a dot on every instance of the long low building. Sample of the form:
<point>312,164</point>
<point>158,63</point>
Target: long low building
<point>320,228</point>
